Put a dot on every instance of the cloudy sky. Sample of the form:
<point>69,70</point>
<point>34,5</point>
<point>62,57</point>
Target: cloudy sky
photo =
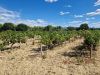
<point>55,12</point>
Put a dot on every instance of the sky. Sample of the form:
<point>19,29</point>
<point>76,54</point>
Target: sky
<point>51,12</point>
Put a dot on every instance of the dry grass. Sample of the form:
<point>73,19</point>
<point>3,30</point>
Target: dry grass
<point>25,61</point>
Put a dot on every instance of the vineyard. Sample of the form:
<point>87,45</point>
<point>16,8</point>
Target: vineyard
<point>47,46</point>
<point>50,39</point>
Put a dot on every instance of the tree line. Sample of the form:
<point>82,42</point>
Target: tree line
<point>13,27</point>
<point>24,27</point>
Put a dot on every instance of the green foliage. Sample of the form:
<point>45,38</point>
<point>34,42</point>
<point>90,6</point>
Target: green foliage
<point>48,28</point>
<point>84,26</point>
<point>11,37</point>
<point>58,28</point>
<point>56,37</point>
<point>45,39</point>
<point>8,26</point>
<point>71,28</point>
<point>1,27</point>
<point>92,39</point>
<point>21,37</point>
<point>49,37</point>
<point>22,27</point>
<point>37,28</point>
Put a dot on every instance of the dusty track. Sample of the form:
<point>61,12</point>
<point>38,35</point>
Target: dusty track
<point>23,62</point>
<point>66,47</point>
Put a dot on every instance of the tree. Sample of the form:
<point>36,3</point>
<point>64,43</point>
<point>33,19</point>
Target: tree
<point>84,26</point>
<point>22,27</point>
<point>37,28</point>
<point>8,26</point>
<point>71,28</point>
<point>0,26</point>
<point>48,28</point>
<point>58,28</point>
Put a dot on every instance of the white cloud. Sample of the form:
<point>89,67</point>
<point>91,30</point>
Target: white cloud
<point>73,22</point>
<point>87,18</point>
<point>64,13</point>
<point>95,24</point>
<point>76,23</point>
<point>38,22</point>
<point>92,18</point>
<point>7,15</point>
<point>97,12</point>
<point>97,3</point>
<point>94,13</point>
<point>69,6</point>
<point>78,16</point>
<point>14,17</point>
<point>51,1</point>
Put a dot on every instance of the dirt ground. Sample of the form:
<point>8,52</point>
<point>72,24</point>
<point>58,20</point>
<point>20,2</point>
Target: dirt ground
<point>26,61</point>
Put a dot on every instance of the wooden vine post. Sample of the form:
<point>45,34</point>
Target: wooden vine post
<point>40,43</point>
<point>91,48</point>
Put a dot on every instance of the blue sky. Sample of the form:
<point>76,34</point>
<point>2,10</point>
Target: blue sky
<point>55,12</point>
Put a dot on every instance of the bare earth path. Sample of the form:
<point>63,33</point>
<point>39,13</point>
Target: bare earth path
<point>65,47</point>
<point>19,62</point>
